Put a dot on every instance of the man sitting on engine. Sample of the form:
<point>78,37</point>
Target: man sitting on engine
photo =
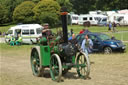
<point>46,31</point>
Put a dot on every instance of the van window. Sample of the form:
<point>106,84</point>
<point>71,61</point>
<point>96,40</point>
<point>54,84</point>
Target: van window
<point>75,18</point>
<point>10,31</point>
<point>32,31</point>
<point>39,30</point>
<point>25,32</point>
<point>90,18</point>
<point>104,19</point>
<point>85,18</point>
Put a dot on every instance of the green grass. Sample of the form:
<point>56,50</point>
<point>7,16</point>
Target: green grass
<point>120,36</point>
<point>77,28</point>
<point>5,46</point>
<point>5,28</point>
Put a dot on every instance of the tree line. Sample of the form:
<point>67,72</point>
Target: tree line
<point>48,11</point>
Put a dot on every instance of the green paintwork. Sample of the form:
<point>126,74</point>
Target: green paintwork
<point>45,55</point>
<point>73,59</point>
<point>56,50</point>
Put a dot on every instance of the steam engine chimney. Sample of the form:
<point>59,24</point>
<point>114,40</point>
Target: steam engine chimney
<point>64,24</point>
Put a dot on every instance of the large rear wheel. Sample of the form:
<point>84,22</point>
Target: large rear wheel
<point>55,67</point>
<point>36,66</point>
<point>83,65</point>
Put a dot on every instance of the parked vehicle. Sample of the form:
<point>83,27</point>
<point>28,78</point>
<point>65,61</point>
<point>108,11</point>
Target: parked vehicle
<point>28,32</point>
<point>102,42</point>
<point>103,22</point>
<point>72,19</point>
<point>123,19</point>
<point>93,19</point>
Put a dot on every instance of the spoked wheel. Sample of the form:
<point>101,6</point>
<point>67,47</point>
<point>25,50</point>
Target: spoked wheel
<point>107,50</point>
<point>83,65</point>
<point>37,69</point>
<point>55,67</point>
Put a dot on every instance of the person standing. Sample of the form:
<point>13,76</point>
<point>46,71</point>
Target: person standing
<point>87,45</point>
<point>114,27</point>
<point>109,26</point>
<point>71,32</point>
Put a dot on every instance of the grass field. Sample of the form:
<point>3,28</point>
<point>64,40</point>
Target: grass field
<point>77,28</point>
<point>110,69</point>
<point>15,69</point>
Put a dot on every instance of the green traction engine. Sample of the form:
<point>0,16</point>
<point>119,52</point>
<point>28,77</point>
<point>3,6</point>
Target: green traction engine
<point>59,55</point>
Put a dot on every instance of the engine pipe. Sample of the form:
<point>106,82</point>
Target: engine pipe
<point>64,26</point>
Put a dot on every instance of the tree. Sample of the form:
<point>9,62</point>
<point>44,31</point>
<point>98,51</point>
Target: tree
<point>107,5</point>
<point>10,5</point>
<point>83,6</point>
<point>65,3</point>
<point>3,14</point>
<point>47,11</point>
<point>23,12</point>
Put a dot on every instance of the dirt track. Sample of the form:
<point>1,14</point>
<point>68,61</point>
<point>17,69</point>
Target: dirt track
<point>105,70</point>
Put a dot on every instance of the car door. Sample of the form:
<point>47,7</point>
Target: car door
<point>26,36</point>
<point>32,35</point>
<point>96,42</point>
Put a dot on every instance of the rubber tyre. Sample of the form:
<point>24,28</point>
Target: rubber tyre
<point>107,50</point>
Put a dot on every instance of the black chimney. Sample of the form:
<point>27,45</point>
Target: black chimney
<point>64,24</point>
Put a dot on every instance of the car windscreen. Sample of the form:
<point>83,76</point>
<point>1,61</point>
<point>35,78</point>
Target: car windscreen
<point>104,37</point>
<point>10,32</point>
<point>39,30</point>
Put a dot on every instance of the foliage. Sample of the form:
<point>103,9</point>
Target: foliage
<point>23,12</point>
<point>47,11</point>
<point>3,14</point>
<point>83,6</point>
<point>11,5</point>
<point>77,6</point>
<point>65,3</point>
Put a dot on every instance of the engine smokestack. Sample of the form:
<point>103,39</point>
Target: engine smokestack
<point>64,24</point>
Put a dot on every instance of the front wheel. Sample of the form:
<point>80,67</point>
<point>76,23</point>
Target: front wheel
<point>107,50</point>
<point>35,59</point>
<point>55,67</point>
<point>83,65</point>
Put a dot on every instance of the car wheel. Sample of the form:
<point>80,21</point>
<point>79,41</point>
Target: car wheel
<point>107,50</point>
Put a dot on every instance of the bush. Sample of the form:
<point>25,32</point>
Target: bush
<point>47,11</point>
<point>3,14</point>
<point>23,13</point>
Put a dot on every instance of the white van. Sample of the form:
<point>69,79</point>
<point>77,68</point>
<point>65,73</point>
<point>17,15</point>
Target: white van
<point>93,19</point>
<point>121,19</point>
<point>87,17</point>
<point>28,32</point>
<point>72,18</point>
